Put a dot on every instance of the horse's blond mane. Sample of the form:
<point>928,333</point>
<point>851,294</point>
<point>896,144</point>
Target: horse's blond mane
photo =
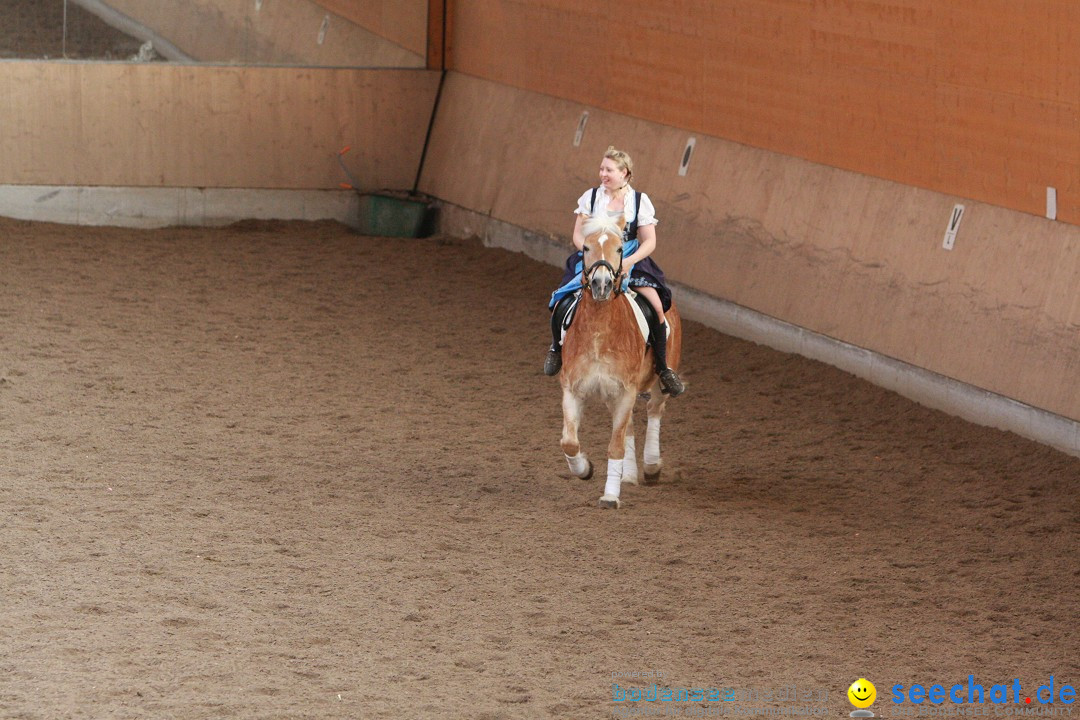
<point>597,225</point>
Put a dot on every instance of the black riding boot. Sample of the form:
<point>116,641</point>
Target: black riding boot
<point>670,384</point>
<point>553,363</point>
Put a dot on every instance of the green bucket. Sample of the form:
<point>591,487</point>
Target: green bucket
<point>389,215</point>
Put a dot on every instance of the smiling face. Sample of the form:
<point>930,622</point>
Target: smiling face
<point>862,693</point>
<point>612,177</point>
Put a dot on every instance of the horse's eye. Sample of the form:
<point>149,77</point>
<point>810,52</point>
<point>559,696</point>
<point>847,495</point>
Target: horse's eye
<point>585,248</point>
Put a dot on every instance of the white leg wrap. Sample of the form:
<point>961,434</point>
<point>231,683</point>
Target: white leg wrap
<point>652,442</point>
<point>614,478</point>
<point>579,464</point>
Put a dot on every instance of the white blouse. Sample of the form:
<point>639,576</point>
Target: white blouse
<point>646,216</point>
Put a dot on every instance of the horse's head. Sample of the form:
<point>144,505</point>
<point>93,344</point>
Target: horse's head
<point>602,264</point>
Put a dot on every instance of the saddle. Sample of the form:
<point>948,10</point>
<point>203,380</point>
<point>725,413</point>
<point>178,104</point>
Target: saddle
<point>646,317</point>
<point>644,313</point>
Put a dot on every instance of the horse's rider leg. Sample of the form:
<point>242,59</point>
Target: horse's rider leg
<point>670,384</point>
<point>553,363</point>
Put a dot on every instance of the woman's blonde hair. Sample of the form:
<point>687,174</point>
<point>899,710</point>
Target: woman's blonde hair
<point>622,161</point>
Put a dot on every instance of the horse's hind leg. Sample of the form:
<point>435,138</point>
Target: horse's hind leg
<point>620,420</point>
<point>630,466</point>
<point>651,453</point>
<point>575,459</point>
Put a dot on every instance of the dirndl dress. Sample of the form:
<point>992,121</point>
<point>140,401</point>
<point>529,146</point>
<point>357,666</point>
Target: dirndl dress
<point>644,273</point>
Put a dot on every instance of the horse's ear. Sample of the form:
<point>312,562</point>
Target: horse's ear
<point>621,221</point>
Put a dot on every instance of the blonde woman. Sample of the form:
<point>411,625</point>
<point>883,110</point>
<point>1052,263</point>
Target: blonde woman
<point>615,196</point>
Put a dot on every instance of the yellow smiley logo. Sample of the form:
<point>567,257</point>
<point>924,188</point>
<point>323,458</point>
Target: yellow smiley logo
<point>862,693</point>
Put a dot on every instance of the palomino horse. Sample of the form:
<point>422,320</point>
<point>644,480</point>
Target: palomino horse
<point>604,355</point>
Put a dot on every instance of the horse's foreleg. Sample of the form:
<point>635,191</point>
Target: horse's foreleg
<point>575,459</point>
<point>621,413</point>
<point>651,453</point>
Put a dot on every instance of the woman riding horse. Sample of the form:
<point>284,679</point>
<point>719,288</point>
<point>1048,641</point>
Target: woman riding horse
<point>606,358</point>
<point>613,198</point>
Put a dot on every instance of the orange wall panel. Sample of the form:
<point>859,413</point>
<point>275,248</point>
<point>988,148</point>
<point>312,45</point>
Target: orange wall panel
<point>977,99</point>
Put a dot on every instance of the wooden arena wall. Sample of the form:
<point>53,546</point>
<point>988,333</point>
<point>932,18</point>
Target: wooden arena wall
<point>357,33</point>
<point>855,258</point>
<point>979,99</point>
<point>164,125</point>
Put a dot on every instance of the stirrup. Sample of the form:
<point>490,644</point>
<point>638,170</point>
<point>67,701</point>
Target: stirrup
<point>553,363</point>
<point>670,384</point>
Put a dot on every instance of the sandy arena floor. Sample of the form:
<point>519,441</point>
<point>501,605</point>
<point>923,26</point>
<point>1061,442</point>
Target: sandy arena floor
<point>284,471</point>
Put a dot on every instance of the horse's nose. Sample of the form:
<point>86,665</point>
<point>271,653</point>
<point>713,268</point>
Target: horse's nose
<point>601,286</point>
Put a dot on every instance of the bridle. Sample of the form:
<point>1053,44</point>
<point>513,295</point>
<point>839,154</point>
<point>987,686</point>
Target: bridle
<point>586,274</point>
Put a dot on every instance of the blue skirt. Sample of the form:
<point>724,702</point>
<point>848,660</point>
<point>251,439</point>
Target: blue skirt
<point>645,273</point>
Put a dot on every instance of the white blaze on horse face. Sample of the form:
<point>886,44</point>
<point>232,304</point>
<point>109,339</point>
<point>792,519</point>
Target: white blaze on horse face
<point>603,250</point>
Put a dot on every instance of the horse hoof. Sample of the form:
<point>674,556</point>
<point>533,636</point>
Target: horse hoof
<point>652,475</point>
<point>610,502</point>
<point>588,475</point>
